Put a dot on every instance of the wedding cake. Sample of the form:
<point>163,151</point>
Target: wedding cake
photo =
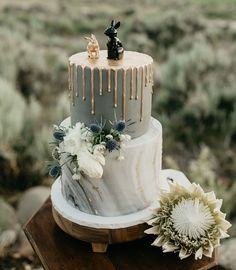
<point>107,161</point>
<point>114,92</point>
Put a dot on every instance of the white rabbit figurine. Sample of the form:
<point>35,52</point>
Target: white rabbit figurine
<point>93,47</point>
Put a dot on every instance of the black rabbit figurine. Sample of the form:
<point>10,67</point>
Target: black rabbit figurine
<point>114,46</point>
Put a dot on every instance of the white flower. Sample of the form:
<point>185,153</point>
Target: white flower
<point>192,218</point>
<point>125,137</point>
<point>90,164</point>
<point>189,221</point>
<point>72,140</point>
<point>109,136</point>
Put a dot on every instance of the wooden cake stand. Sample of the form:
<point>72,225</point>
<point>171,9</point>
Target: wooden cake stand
<point>97,230</point>
<point>103,231</point>
<point>59,251</point>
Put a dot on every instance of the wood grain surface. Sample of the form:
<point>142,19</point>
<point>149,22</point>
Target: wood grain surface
<point>59,251</point>
<point>102,237</point>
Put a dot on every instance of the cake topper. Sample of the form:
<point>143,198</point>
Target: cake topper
<point>115,49</point>
<point>92,47</point>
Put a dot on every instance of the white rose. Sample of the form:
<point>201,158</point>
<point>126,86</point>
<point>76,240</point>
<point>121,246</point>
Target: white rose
<point>89,164</point>
<point>72,140</point>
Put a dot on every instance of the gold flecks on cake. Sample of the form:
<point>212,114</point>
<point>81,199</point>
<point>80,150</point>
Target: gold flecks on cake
<point>142,93</point>
<point>109,80</point>
<point>73,86</point>
<point>137,84</point>
<point>124,95</point>
<point>115,89</point>
<point>100,81</point>
<point>92,91</point>
<point>131,84</point>
<point>77,81</point>
<point>83,84</point>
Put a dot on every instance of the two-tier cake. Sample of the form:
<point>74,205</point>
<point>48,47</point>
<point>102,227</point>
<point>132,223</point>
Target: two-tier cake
<point>110,95</point>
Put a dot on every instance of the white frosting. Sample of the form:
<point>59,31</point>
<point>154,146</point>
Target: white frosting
<point>71,213</point>
<point>126,186</point>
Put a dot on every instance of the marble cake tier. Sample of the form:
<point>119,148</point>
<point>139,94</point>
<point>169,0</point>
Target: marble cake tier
<point>107,89</point>
<point>127,186</point>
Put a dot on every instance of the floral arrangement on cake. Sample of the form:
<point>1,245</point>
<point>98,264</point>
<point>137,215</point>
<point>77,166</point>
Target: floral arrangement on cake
<point>188,221</point>
<point>85,147</point>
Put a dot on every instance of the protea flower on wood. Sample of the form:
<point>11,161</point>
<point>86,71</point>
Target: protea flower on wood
<point>188,221</point>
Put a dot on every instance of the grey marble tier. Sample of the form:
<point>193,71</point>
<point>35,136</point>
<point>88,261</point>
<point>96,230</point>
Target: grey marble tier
<point>102,89</point>
<point>126,186</point>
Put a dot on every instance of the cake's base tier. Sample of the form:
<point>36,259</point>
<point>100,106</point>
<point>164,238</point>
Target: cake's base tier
<point>70,213</point>
<point>126,186</point>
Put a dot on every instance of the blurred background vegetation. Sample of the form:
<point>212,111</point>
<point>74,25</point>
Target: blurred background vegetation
<point>193,46</point>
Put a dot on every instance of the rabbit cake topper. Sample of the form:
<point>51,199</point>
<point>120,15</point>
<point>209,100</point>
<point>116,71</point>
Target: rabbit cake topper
<point>92,47</point>
<point>115,49</point>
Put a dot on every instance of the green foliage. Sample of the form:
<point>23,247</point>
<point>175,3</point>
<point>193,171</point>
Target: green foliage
<point>12,111</point>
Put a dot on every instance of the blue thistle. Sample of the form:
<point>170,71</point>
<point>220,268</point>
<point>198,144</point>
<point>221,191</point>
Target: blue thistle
<point>59,135</point>
<point>95,128</point>
<point>120,126</point>
<point>111,144</point>
<point>55,171</point>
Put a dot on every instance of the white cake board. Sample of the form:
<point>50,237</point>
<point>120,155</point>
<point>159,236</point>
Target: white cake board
<point>73,214</point>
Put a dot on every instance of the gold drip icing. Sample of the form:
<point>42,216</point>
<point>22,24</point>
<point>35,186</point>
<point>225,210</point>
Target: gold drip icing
<point>92,91</point>
<point>77,84</point>
<point>152,82</point>
<point>146,75</point>
<point>83,82</point>
<point>69,80</point>
<point>73,85</point>
<point>131,83</point>
<point>150,74</point>
<point>109,80</point>
<point>124,95</point>
<point>115,89</point>
<point>142,90</point>
<point>137,79</point>
<point>100,80</point>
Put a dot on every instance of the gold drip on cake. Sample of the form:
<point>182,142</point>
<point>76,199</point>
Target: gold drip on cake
<point>73,85</point>
<point>69,79</point>
<point>115,89</point>
<point>92,91</point>
<point>83,82</point>
<point>109,80</point>
<point>131,83</point>
<point>146,75</point>
<point>100,81</point>
<point>142,92</point>
<point>137,79</point>
<point>150,74</point>
<point>124,95</point>
<point>152,79</point>
<point>77,81</point>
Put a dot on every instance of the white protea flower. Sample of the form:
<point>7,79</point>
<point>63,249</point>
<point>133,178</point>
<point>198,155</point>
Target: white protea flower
<point>188,221</point>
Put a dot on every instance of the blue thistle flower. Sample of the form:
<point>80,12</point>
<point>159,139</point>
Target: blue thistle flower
<point>95,128</point>
<point>111,144</point>
<point>59,135</point>
<point>120,126</point>
<point>55,171</point>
